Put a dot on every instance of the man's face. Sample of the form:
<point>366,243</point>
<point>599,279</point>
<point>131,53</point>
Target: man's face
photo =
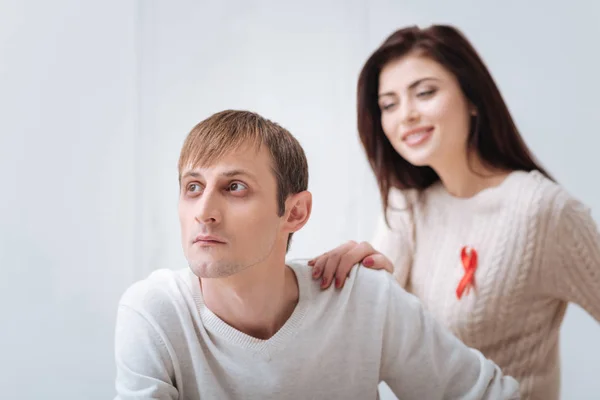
<point>228,213</point>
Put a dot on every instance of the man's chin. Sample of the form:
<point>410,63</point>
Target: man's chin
<point>208,269</point>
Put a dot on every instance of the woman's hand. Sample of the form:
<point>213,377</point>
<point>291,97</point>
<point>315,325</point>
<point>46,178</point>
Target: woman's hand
<point>337,263</point>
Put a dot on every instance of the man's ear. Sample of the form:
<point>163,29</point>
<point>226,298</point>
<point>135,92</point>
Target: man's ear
<point>297,211</point>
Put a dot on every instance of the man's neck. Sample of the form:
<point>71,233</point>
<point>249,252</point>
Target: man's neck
<point>257,301</point>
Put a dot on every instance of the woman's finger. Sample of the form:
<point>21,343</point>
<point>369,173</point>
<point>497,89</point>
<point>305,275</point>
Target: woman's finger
<point>378,261</point>
<point>350,259</point>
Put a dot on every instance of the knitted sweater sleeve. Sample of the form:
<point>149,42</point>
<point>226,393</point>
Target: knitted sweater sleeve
<point>396,239</point>
<point>423,360</point>
<point>145,369</point>
<point>574,275</point>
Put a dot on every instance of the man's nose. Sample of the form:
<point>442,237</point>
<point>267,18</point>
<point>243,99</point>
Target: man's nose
<point>208,208</point>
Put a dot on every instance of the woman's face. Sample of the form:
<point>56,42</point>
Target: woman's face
<point>424,113</point>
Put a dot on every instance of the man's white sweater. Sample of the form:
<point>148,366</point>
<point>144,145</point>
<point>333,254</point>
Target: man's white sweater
<point>337,344</point>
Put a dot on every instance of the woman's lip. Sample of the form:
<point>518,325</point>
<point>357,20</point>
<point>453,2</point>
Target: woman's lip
<point>416,130</point>
<point>417,137</point>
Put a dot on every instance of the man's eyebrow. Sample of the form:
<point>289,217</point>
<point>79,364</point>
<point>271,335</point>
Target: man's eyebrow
<point>228,174</point>
<point>193,174</point>
<point>237,172</point>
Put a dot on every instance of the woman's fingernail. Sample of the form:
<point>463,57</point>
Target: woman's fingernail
<point>368,262</point>
<point>316,272</point>
<point>311,262</point>
<point>324,283</point>
<point>338,283</point>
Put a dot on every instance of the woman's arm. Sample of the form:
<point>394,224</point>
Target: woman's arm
<point>572,270</point>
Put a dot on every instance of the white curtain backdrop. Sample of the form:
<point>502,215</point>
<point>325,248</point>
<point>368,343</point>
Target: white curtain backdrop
<point>97,97</point>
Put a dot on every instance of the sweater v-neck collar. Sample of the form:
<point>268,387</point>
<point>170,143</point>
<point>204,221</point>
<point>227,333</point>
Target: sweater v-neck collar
<point>216,326</point>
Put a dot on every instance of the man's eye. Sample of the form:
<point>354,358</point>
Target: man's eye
<point>193,187</point>
<point>236,187</point>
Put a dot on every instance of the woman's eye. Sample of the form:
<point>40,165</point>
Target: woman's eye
<point>387,106</point>
<point>426,93</point>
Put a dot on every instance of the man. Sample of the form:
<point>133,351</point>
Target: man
<point>241,324</point>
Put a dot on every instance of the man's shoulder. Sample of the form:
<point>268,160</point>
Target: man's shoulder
<point>362,283</point>
<point>374,284</point>
<point>157,293</point>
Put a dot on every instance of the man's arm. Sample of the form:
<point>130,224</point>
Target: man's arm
<point>423,360</point>
<point>144,367</point>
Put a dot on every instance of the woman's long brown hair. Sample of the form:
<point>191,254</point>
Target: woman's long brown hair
<point>493,133</point>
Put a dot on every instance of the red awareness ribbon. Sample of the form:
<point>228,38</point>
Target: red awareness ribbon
<point>468,257</point>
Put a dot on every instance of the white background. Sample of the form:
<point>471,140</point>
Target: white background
<point>97,97</point>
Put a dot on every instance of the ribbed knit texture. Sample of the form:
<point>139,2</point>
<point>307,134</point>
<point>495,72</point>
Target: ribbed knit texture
<point>337,344</point>
<point>538,249</point>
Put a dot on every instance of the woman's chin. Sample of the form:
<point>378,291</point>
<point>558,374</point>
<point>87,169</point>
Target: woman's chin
<point>419,160</point>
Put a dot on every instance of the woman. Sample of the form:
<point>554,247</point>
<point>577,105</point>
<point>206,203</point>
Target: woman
<point>473,225</point>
